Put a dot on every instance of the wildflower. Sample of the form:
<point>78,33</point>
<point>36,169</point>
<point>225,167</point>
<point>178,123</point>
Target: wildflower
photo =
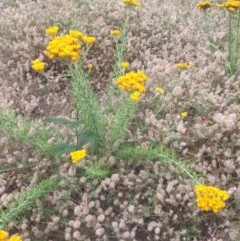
<point>204,5</point>
<point>76,34</point>
<point>135,96</point>
<point>184,114</point>
<point>89,66</point>
<point>132,81</point>
<point>210,198</point>
<point>38,65</point>
<point>52,31</point>
<point>88,39</point>
<point>115,32</point>
<point>134,3</point>
<point>3,235</point>
<point>65,46</point>
<point>15,238</point>
<point>230,5</point>
<point>124,65</point>
<point>160,90</point>
<point>77,156</point>
<point>184,65</point>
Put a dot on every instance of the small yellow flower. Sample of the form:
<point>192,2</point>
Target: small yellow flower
<point>160,90</point>
<point>38,65</point>
<point>116,32</point>
<point>184,114</point>
<point>124,65</point>
<point>88,39</point>
<point>230,5</point>
<point>90,66</point>
<point>210,198</point>
<point>135,96</point>
<point>77,156</point>
<point>134,3</point>
<point>15,238</point>
<point>76,34</point>
<point>3,235</point>
<point>52,31</point>
<point>204,5</point>
<point>184,65</point>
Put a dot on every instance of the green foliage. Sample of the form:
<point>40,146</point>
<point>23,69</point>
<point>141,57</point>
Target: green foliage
<point>87,103</point>
<point>233,41</point>
<point>20,128</point>
<point>156,151</point>
<point>122,120</point>
<point>96,171</point>
<point>25,200</point>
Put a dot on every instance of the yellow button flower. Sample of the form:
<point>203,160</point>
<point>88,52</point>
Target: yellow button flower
<point>115,32</point>
<point>76,34</point>
<point>134,3</point>
<point>88,39</point>
<point>38,65</point>
<point>160,90</point>
<point>204,5</point>
<point>52,31</point>
<point>77,156</point>
<point>184,114</point>
<point>124,65</point>
<point>135,96</point>
<point>15,238</point>
<point>209,198</point>
<point>3,235</point>
<point>184,65</point>
<point>89,66</point>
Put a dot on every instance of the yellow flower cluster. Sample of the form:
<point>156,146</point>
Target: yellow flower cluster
<point>124,65</point>
<point>133,82</point>
<point>184,114</point>
<point>52,31</point>
<point>210,198</point>
<point>4,236</point>
<point>184,65</point>
<point>77,156</point>
<point>160,90</point>
<point>65,46</point>
<point>38,65</point>
<point>134,3</point>
<point>115,32</point>
<point>230,5</point>
<point>204,5</point>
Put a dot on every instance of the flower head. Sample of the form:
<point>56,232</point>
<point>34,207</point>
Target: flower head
<point>15,238</point>
<point>64,47</point>
<point>160,90</point>
<point>3,235</point>
<point>124,65</point>
<point>184,114</point>
<point>184,65</point>
<point>52,31</point>
<point>77,156</point>
<point>133,82</point>
<point>88,39</point>
<point>204,5</point>
<point>134,3</point>
<point>115,32</point>
<point>230,5</point>
<point>76,34</point>
<point>135,96</point>
<point>210,198</point>
<point>38,65</point>
<point>89,66</point>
